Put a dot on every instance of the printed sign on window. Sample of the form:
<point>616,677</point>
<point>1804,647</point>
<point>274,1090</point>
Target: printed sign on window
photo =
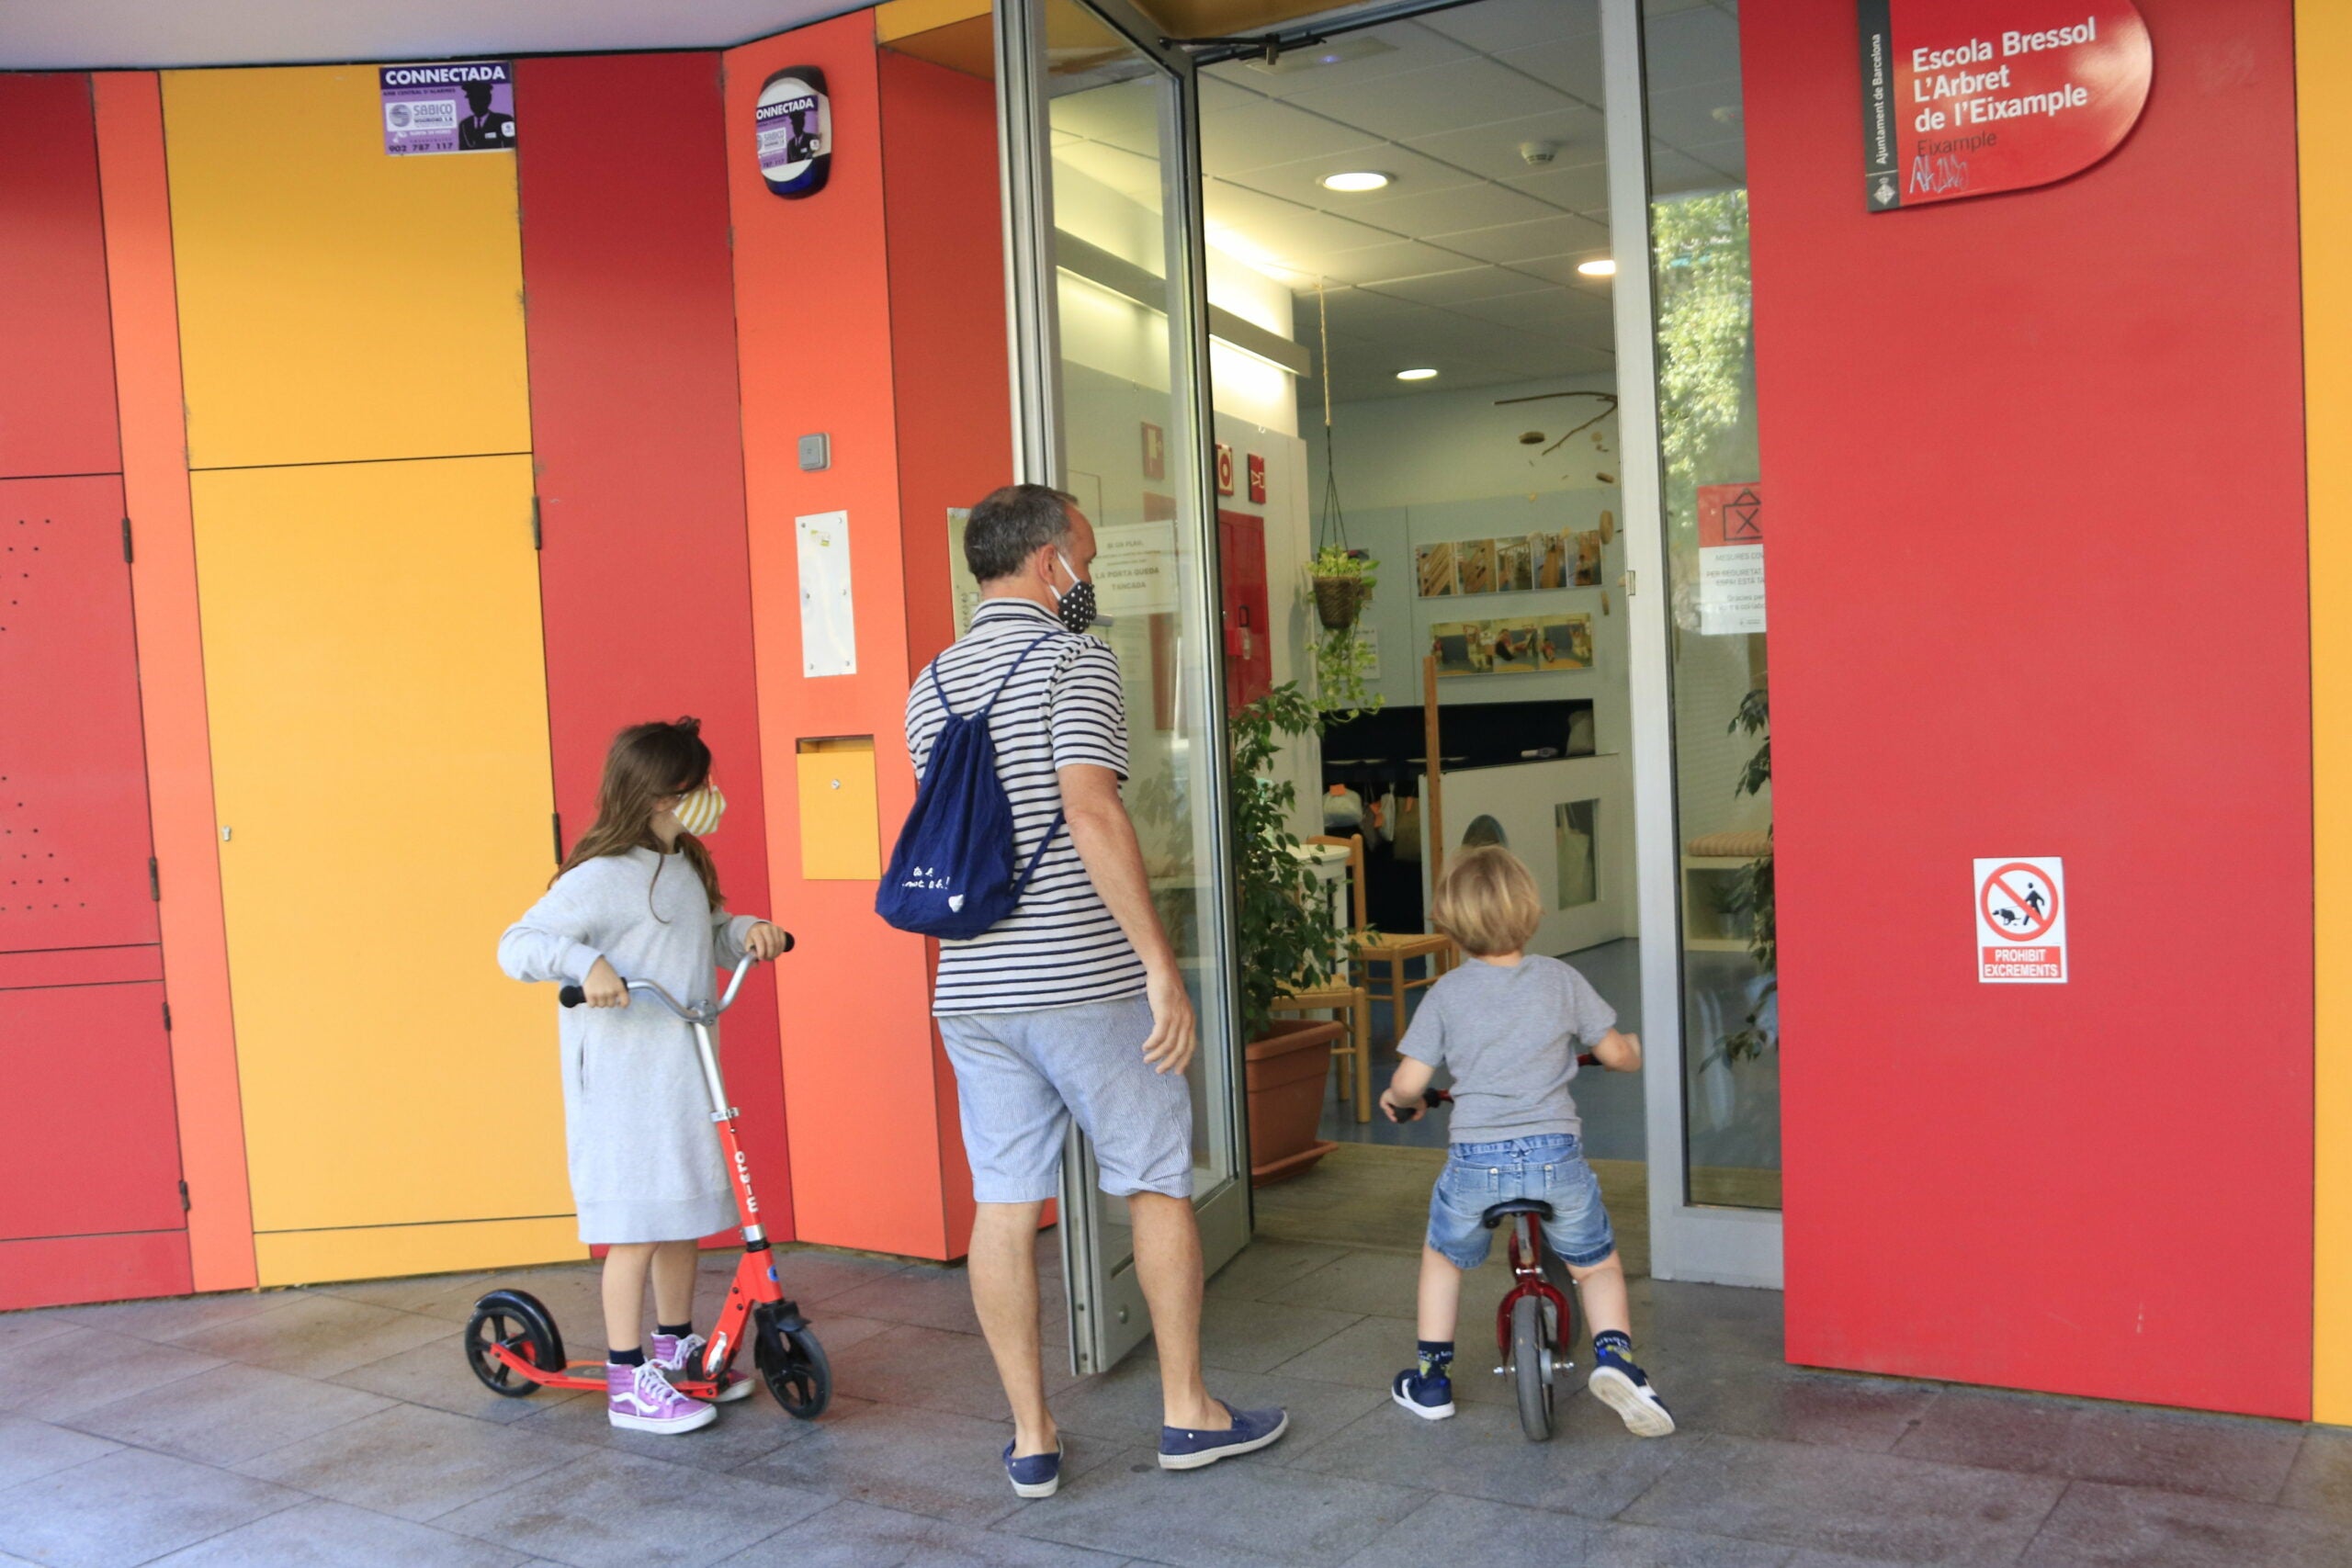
<point>1731,560</point>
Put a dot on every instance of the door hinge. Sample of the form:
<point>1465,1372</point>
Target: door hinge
<point>126,541</point>
<point>557,818</point>
<point>536,534</point>
<point>154,880</point>
<point>167,1018</point>
<point>184,1203</point>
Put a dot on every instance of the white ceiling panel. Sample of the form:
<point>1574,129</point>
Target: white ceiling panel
<point>1463,286</point>
<point>1411,48</point>
<point>1583,187</point>
<point>1126,116</point>
<point>1572,66</point>
<point>1413,172</point>
<point>1697,45</point>
<point>1136,178</point>
<point>1263,133</point>
<point>1480,206</point>
<point>1560,235</point>
<point>1491,149</point>
<point>1399,258</point>
<point>1441,98</point>
<point>1562,269</point>
<point>1298,234</point>
<point>1672,172</point>
<point>1687,117</point>
<point>1551,307</point>
<point>1499,25</point>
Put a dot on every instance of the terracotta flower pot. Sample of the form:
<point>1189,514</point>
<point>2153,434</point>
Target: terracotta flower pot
<point>1286,1072</point>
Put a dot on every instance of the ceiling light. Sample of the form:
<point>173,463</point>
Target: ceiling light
<point>1600,266</point>
<point>1421,374</point>
<point>1354,180</point>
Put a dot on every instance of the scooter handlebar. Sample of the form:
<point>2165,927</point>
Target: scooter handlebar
<point>572,996</point>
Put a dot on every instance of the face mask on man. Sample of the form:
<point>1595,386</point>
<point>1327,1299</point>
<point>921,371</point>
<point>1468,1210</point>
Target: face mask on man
<point>1077,606</point>
<point>698,811</point>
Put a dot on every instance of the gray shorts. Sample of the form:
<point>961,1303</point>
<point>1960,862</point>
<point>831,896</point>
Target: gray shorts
<point>1019,1076</point>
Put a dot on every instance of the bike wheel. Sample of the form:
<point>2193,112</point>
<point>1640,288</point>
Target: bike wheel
<point>515,1321</point>
<point>792,1365</point>
<point>1531,1367</point>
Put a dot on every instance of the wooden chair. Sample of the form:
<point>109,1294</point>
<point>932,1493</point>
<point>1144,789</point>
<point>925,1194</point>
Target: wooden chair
<point>1395,949</point>
<point>1353,1006</point>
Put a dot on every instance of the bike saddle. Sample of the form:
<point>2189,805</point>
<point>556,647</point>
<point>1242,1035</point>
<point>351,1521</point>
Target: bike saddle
<point>1501,1212</point>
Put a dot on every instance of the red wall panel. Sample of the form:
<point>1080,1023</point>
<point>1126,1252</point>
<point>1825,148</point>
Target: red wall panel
<point>63,1047</point>
<point>644,567</point>
<point>73,839</point>
<point>2038,587</point>
<point>56,355</point>
<point>955,413</point>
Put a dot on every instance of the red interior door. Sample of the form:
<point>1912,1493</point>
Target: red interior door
<point>73,837</point>
<point>1241,570</point>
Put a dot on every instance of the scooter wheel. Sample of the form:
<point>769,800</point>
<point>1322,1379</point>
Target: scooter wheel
<point>794,1366</point>
<point>515,1319</point>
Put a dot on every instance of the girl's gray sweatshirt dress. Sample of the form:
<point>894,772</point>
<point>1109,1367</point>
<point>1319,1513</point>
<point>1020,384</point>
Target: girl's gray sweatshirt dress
<point>644,1153</point>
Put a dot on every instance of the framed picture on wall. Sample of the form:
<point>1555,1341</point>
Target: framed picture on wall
<point>1461,647</point>
<point>1518,645</point>
<point>1436,571</point>
<point>1224,468</point>
<point>1155,451</point>
<point>1257,469</point>
<point>1514,566</point>
<point>1551,570</point>
<point>1588,561</point>
<point>1477,558</point>
<point>1565,642</point>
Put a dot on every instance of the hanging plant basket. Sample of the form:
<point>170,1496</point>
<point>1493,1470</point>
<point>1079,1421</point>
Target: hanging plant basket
<point>1339,601</point>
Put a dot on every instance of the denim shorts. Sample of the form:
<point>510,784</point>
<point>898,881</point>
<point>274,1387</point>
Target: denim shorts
<point>1552,1168</point>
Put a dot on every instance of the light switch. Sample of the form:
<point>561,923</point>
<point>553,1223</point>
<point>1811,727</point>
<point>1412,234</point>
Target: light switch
<point>816,452</point>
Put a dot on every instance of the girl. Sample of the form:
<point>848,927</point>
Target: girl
<point>638,899</point>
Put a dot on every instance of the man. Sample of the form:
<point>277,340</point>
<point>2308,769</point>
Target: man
<point>484,129</point>
<point>1071,1006</point>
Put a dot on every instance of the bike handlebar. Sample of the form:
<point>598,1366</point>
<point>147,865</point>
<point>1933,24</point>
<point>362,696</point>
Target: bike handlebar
<point>1433,1098</point>
<point>572,996</point>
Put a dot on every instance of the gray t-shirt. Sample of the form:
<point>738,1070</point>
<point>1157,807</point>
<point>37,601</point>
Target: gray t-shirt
<point>1509,1035</point>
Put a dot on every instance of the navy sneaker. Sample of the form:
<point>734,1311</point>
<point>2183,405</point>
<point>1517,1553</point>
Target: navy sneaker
<point>1625,1388</point>
<point>1430,1397</point>
<point>1182,1448</point>
<point>1035,1475</point>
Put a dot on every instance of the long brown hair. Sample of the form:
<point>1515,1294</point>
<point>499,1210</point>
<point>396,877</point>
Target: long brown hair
<point>647,761</point>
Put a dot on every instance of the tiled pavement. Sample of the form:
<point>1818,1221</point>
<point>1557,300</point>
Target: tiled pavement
<point>339,1425</point>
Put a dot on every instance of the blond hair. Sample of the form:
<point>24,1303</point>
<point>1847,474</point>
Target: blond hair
<point>1487,901</point>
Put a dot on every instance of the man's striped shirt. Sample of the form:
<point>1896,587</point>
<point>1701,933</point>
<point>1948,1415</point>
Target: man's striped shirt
<point>1061,945</point>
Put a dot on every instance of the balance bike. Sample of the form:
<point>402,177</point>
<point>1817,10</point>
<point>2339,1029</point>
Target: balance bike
<point>1536,1325</point>
<point>514,1347</point>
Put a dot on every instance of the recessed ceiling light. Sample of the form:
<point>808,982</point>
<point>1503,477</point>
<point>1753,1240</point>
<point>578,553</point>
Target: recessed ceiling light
<point>1354,180</point>
<point>1600,266</point>
<point>1421,374</point>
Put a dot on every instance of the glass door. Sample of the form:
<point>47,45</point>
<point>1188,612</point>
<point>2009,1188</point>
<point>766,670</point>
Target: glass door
<point>1109,361</point>
<point>1695,594</point>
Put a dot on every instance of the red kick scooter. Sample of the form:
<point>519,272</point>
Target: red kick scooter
<point>512,1343</point>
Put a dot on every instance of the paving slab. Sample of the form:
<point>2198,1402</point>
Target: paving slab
<point>412,1462</point>
<point>330,1535</point>
<point>858,1534</point>
<point>2145,1528</point>
<point>1498,1535</point>
<point>615,1510</point>
<point>228,1414</point>
<point>128,1508</point>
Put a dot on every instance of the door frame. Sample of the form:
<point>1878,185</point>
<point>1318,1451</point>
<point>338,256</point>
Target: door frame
<point>1107,1317</point>
<point>1717,1245</point>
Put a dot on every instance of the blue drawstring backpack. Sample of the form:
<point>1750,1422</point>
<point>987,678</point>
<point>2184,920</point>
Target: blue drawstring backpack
<point>950,873</point>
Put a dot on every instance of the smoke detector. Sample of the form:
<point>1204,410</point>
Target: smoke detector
<point>1535,154</point>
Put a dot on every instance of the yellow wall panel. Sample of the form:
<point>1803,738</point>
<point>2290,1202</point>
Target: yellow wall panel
<point>307,1258</point>
<point>2323,54</point>
<point>373,667</point>
<point>337,302</point>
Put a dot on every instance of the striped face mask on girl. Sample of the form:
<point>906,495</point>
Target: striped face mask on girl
<point>699,811</point>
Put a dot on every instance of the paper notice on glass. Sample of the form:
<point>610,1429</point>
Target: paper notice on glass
<point>1731,558</point>
<point>1731,590</point>
<point>1134,569</point>
<point>827,618</point>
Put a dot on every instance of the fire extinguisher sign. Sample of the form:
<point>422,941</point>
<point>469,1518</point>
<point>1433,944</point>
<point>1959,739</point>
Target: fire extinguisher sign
<point>2022,920</point>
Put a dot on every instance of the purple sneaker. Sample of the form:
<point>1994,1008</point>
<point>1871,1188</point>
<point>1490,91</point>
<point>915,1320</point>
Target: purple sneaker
<point>640,1399</point>
<point>682,1359</point>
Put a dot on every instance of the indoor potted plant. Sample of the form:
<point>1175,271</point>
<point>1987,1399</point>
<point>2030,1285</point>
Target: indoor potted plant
<point>1343,580</point>
<point>1288,940</point>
